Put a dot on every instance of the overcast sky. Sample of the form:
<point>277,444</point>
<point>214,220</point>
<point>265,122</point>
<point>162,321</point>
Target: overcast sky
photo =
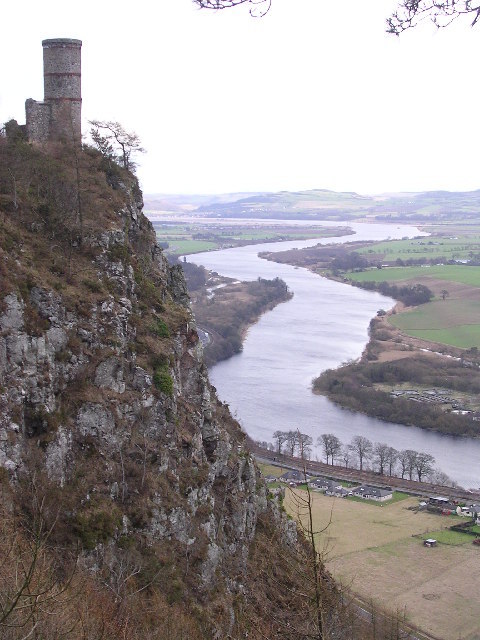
<point>314,95</point>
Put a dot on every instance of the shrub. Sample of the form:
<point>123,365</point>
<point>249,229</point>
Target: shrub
<point>163,381</point>
<point>96,527</point>
<point>92,285</point>
<point>119,253</point>
<point>160,329</point>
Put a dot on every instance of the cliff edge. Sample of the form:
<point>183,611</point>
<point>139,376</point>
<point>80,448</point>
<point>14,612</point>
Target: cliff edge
<point>119,464</point>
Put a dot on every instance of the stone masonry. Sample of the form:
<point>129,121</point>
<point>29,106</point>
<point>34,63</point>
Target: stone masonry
<point>59,115</point>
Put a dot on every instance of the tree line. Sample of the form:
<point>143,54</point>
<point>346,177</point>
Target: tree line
<point>410,295</point>
<point>355,386</point>
<point>361,453</point>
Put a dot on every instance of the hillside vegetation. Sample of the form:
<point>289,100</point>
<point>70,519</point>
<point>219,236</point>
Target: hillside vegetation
<point>130,506</point>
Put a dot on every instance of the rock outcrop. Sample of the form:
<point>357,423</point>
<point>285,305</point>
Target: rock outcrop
<point>104,393</point>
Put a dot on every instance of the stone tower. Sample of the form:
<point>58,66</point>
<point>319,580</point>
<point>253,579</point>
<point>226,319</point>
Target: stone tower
<point>58,117</point>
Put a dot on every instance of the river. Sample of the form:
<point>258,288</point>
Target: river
<point>268,385</point>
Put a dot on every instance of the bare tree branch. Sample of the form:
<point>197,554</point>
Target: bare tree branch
<point>258,8</point>
<point>442,13</point>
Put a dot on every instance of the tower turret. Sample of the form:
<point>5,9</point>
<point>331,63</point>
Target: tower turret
<point>59,115</point>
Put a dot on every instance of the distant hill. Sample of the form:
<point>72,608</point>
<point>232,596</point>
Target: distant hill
<point>312,204</point>
<point>442,206</point>
<point>188,202</point>
<point>322,204</point>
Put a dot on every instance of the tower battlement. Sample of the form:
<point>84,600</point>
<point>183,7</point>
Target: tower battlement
<point>59,115</point>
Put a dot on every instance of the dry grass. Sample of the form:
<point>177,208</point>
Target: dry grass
<point>358,526</point>
<point>437,587</point>
<point>373,551</point>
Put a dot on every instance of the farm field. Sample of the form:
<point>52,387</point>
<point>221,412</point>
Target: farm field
<point>378,553</point>
<point>450,248</point>
<point>195,237</point>
<point>448,273</point>
<point>453,321</point>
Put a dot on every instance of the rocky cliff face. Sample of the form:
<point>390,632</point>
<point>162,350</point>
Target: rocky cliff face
<point>105,401</point>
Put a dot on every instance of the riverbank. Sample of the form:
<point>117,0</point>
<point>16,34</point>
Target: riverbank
<point>268,385</point>
<point>403,380</point>
<point>187,236</point>
<point>225,308</point>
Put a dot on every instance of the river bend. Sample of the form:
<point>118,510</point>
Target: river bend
<point>268,385</point>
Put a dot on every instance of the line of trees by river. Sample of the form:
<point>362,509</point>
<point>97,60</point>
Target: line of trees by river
<point>361,453</point>
<point>410,294</point>
<point>366,387</point>
<point>225,309</point>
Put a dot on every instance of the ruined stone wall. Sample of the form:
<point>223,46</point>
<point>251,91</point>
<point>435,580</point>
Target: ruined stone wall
<point>37,117</point>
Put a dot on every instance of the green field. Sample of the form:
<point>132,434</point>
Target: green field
<point>457,248</point>
<point>462,336</point>
<point>180,247</point>
<point>452,273</point>
<point>272,470</point>
<point>452,321</point>
<point>195,237</point>
<point>446,536</point>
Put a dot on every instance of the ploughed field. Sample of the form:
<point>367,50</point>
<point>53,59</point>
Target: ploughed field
<point>377,552</point>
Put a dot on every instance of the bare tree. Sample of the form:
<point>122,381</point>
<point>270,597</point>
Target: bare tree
<point>402,458</point>
<point>346,456</point>
<point>411,462</point>
<point>280,437</point>
<point>423,465</point>
<point>440,12</point>
<point>439,477</point>
<point>392,456</point>
<point>408,14</point>
<point>258,8</point>
<point>304,444</point>
<point>31,594</point>
<point>380,456</point>
<point>362,447</point>
<point>114,143</point>
<point>314,591</point>
<point>331,445</point>
<point>407,459</point>
<point>291,442</point>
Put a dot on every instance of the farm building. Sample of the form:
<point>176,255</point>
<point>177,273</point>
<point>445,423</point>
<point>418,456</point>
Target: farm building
<point>469,511</point>
<point>438,501</point>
